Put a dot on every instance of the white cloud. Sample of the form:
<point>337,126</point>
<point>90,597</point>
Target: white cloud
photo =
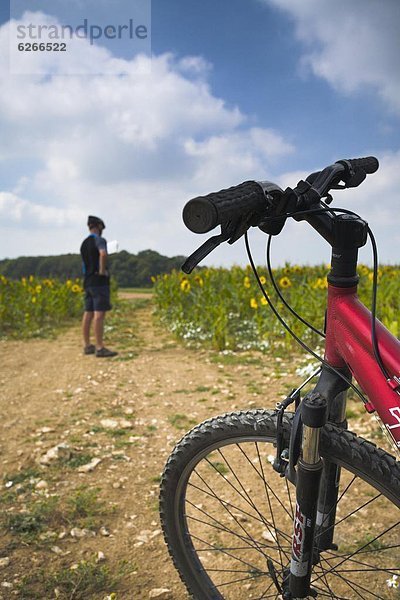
<point>135,148</point>
<point>17,210</point>
<point>351,44</point>
<point>131,148</point>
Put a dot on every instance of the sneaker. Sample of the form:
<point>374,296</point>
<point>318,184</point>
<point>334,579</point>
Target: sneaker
<point>105,353</point>
<point>91,349</point>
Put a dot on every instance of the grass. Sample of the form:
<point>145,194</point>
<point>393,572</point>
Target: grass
<point>78,460</point>
<point>252,388</point>
<point>29,524</point>
<point>81,509</point>
<point>78,582</point>
<point>137,290</point>
<point>202,388</point>
<point>236,359</point>
<point>22,476</point>
<point>84,507</point>
<point>367,542</point>
<point>180,421</point>
<point>220,467</point>
<point>111,432</point>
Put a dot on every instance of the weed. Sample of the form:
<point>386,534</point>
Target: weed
<point>202,388</point>
<point>253,388</point>
<point>84,506</point>
<point>117,432</point>
<point>78,460</point>
<point>220,467</point>
<point>79,582</point>
<point>29,524</point>
<point>180,421</point>
<point>21,476</point>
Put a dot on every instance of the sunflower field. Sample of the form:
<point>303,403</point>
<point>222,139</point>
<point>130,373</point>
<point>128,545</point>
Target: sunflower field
<point>32,307</point>
<point>226,309</point>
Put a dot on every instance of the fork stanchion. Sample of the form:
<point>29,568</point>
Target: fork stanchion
<point>309,470</point>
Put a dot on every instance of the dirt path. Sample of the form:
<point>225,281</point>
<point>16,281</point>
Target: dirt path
<point>128,412</point>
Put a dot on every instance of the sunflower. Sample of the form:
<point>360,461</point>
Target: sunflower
<point>185,285</point>
<point>199,280</point>
<point>253,303</point>
<point>285,282</point>
<point>246,282</point>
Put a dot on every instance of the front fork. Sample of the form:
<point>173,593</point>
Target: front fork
<point>317,481</point>
<point>309,471</point>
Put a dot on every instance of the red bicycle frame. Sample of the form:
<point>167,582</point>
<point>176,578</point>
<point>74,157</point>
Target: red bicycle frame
<point>349,343</point>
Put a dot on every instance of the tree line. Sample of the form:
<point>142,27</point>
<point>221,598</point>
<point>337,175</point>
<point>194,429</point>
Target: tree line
<point>129,270</point>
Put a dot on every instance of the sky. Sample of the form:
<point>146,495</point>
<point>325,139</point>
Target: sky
<point>229,90</point>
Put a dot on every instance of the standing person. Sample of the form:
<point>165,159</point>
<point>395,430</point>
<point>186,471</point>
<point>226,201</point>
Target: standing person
<point>97,288</point>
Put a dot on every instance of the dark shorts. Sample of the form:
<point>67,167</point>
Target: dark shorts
<point>97,298</point>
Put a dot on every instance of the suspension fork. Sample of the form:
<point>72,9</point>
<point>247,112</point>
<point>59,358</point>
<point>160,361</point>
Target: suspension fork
<point>334,389</point>
<point>309,470</point>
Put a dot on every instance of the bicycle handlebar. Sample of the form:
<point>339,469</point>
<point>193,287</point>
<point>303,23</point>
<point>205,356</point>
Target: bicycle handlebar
<point>264,203</point>
<point>369,164</point>
<point>203,213</point>
<point>253,200</point>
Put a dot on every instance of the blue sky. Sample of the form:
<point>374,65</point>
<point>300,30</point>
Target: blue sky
<point>235,90</point>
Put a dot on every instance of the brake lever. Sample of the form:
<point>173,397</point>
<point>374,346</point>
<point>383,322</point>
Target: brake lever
<point>198,255</point>
<point>230,232</point>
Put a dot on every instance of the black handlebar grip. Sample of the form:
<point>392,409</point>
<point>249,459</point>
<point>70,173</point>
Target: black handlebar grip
<point>203,213</point>
<point>369,164</point>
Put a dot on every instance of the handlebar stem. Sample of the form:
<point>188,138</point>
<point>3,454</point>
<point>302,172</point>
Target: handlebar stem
<point>350,234</point>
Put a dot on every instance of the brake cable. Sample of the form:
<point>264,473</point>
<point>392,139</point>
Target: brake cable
<point>282,298</point>
<point>375,345</point>
<point>289,330</point>
<point>374,338</point>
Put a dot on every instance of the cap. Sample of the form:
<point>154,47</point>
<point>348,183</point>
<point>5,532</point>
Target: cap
<point>96,221</point>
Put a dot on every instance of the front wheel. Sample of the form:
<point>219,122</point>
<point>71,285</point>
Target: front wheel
<point>227,516</point>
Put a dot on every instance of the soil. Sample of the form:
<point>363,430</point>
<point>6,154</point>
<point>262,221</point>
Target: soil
<point>129,412</point>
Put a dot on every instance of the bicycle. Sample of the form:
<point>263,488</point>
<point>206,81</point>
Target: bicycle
<point>267,503</point>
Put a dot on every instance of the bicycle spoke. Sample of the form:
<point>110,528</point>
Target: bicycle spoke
<point>335,506</point>
<point>366,566</point>
<point>270,507</point>
<point>225,529</point>
<point>351,514</point>
<point>362,547</point>
<point>263,596</point>
<point>235,581</point>
<point>326,583</point>
<point>256,545</point>
<point>224,503</point>
<point>223,551</point>
<point>340,577</point>
<point>247,514</point>
<point>266,483</point>
<point>240,483</point>
<point>270,528</point>
<point>245,497</point>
